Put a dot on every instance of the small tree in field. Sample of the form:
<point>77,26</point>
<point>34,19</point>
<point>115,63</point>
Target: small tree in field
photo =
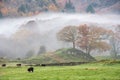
<point>92,38</point>
<point>42,50</point>
<point>29,54</point>
<point>68,34</point>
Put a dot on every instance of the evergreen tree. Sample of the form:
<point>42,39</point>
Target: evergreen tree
<point>69,7</point>
<point>40,3</point>
<point>1,14</point>
<point>24,8</point>
<point>90,9</point>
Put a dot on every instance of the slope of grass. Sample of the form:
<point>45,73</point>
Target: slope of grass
<point>91,71</point>
<point>73,55</point>
<point>61,56</point>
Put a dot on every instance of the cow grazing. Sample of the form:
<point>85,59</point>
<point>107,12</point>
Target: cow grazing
<point>18,65</point>
<point>30,69</point>
<point>43,65</point>
<point>3,65</point>
<point>90,68</point>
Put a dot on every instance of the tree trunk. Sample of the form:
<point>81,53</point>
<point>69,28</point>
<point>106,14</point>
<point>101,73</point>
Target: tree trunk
<point>88,51</point>
<point>115,55</point>
<point>73,44</point>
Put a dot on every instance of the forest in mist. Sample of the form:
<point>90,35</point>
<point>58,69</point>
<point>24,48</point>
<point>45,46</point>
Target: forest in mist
<point>19,36</point>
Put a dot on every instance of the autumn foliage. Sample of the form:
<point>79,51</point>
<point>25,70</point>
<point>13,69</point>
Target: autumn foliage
<point>87,38</point>
<point>92,38</point>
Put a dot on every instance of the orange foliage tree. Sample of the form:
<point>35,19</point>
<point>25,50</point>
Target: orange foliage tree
<point>52,7</point>
<point>92,38</point>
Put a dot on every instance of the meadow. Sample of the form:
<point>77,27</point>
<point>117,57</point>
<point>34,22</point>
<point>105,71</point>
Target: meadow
<point>90,71</point>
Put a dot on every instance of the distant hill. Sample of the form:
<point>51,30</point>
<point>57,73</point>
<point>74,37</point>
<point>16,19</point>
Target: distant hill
<point>61,56</point>
<point>15,8</point>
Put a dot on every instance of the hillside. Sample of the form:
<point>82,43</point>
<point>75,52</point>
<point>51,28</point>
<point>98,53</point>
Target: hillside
<point>15,8</point>
<point>61,56</point>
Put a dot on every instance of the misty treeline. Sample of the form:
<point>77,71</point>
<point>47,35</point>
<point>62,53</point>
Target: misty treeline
<point>89,38</point>
<point>30,53</point>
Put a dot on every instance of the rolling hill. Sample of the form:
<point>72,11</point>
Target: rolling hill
<point>61,56</point>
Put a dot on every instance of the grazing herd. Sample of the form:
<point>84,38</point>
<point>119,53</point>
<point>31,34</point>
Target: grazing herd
<point>31,69</point>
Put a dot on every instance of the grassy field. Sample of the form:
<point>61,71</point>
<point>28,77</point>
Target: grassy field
<point>93,71</point>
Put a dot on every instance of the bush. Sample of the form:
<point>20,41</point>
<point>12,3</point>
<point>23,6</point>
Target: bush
<point>109,62</point>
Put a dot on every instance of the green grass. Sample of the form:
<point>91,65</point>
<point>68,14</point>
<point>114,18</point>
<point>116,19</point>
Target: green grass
<point>93,71</point>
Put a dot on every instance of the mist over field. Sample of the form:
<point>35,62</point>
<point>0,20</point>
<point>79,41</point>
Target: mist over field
<point>20,35</point>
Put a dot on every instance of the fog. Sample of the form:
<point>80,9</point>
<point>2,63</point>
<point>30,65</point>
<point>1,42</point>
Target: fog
<point>19,35</point>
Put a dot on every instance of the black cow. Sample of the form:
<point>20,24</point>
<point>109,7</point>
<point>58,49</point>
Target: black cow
<point>30,69</point>
<point>3,65</point>
<point>18,65</point>
<point>43,65</point>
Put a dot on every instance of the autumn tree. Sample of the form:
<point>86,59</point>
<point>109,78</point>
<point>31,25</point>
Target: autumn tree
<point>92,38</point>
<point>115,43</point>
<point>52,7</point>
<point>68,34</point>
